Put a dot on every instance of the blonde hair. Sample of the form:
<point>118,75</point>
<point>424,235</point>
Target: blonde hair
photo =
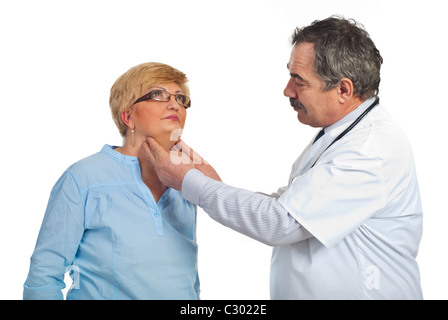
<point>136,82</point>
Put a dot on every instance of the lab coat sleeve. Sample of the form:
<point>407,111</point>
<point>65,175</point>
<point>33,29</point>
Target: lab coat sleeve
<point>335,197</point>
<point>279,192</point>
<point>58,240</point>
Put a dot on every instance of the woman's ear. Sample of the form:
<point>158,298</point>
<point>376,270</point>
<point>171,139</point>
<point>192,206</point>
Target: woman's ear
<point>345,90</point>
<point>127,119</point>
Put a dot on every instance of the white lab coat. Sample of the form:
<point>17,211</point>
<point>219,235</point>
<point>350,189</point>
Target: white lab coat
<point>362,205</point>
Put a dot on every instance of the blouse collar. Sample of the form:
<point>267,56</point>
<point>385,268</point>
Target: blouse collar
<point>122,158</point>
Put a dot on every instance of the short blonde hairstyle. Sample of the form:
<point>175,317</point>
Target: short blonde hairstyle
<point>136,82</point>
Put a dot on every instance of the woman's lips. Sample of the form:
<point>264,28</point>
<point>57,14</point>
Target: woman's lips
<point>172,117</point>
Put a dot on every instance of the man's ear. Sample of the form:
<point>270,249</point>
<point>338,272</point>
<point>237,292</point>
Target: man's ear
<point>127,119</point>
<point>345,90</point>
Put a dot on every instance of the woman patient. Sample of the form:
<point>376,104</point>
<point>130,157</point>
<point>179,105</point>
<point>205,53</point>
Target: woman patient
<point>120,235</point>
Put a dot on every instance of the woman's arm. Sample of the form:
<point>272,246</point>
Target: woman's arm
<point>58,240</point>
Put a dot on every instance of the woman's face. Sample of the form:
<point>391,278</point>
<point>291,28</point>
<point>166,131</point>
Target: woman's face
<point>159,119</point>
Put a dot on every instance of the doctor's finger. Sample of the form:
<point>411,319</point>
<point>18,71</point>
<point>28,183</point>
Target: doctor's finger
<point>194,156</point>
<point>148,154</point>
<point>182,146</point>
<point>156,149</point>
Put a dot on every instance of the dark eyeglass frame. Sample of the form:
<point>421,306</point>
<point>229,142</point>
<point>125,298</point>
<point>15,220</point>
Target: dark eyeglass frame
<point>177,96</point>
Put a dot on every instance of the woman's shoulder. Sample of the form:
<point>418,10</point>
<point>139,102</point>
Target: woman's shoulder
<point>94,161</point>
<point>97,168</point>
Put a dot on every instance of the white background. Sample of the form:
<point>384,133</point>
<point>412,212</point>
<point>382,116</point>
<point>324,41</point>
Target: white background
<point>58,60</point>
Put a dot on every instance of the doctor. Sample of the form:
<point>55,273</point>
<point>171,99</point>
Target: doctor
<point>349,223</point>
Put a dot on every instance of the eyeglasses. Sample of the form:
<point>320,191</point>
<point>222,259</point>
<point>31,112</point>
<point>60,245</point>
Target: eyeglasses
<point>165,96</point>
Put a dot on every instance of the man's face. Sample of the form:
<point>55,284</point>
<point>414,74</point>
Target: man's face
<point>314,106</point>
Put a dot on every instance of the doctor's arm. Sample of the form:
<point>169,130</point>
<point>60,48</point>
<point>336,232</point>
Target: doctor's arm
<point>255,215</point>
<point>258,216</point>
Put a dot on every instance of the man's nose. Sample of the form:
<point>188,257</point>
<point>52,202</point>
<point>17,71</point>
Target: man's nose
<point>289,92</point>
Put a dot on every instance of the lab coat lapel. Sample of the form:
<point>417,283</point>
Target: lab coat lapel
<point>308,157</point>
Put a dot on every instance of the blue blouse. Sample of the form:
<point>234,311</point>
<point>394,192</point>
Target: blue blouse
<point>104,226</point>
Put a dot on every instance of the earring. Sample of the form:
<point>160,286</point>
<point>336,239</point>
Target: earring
<point>133,137</point>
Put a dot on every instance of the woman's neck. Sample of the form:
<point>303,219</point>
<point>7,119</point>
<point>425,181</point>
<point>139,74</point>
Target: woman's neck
<point>148,173</point>
<point>131,148</point>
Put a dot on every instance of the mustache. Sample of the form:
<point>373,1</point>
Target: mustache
<point>295,103</point>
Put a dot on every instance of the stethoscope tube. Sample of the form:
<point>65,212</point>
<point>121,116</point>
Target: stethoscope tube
<point>354,123</point>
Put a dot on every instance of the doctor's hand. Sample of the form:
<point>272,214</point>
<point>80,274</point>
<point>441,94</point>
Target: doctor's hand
<point>198,162</point>
<point>172,167</point>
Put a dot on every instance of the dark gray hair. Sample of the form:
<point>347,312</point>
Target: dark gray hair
<point>343,49</point>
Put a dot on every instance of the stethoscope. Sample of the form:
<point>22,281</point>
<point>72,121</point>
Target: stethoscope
<point>361,116</point>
